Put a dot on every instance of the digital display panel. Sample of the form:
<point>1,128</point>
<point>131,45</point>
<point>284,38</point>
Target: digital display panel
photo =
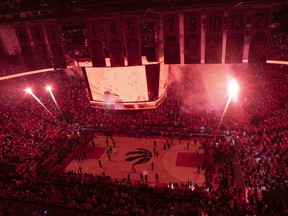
<point>118,84</point>
<point>163,79</point>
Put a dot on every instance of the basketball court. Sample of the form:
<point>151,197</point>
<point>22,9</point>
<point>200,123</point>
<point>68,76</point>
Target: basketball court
<point>177,164</point>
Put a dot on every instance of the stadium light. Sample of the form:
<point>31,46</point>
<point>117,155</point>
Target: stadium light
<point>233,89</point>
<point>48,88</point>
<point>28,90</point>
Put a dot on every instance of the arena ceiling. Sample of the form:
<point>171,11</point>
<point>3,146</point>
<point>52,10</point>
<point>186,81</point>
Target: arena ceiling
<point>21,10</point>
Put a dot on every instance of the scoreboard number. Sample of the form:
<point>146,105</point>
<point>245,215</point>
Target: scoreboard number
<point>113,29</point>
<point>237,21</point>
<point>214,23</point>
<point>22,36</point>
<point>170,20</point>
<point>131,28</point>
<point>37,35</point>
<point>94,30</point>
<point>262,19</point>
<point>192,24</point>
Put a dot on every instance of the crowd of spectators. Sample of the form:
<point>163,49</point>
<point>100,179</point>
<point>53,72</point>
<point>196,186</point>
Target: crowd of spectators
<point>262,145</point>
<point>278,46</point>
<point>39,145</point>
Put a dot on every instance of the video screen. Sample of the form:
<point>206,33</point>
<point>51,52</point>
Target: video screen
<point>163,79</point>
<point>118,84</point>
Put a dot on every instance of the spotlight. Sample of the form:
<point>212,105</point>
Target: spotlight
<point>233,88</point>
<point>48,88</point>
<point>28,90</point>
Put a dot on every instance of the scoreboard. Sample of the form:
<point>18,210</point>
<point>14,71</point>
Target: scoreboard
<point>127,87</point>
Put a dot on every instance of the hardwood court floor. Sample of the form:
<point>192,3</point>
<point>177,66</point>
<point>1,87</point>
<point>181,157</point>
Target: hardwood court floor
<point>165,165</point>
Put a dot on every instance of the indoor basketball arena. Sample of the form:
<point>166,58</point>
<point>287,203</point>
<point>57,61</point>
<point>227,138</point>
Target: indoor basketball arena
<point>132,107</point>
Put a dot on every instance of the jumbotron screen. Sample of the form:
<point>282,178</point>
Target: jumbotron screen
<point>121,84</point>
<point>127,87</point>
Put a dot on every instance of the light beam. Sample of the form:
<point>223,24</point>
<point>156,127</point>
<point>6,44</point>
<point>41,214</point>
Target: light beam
<point>233,89</point>
<point>225,109</point>
<point>49,88</point>
<point>29,90</point>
